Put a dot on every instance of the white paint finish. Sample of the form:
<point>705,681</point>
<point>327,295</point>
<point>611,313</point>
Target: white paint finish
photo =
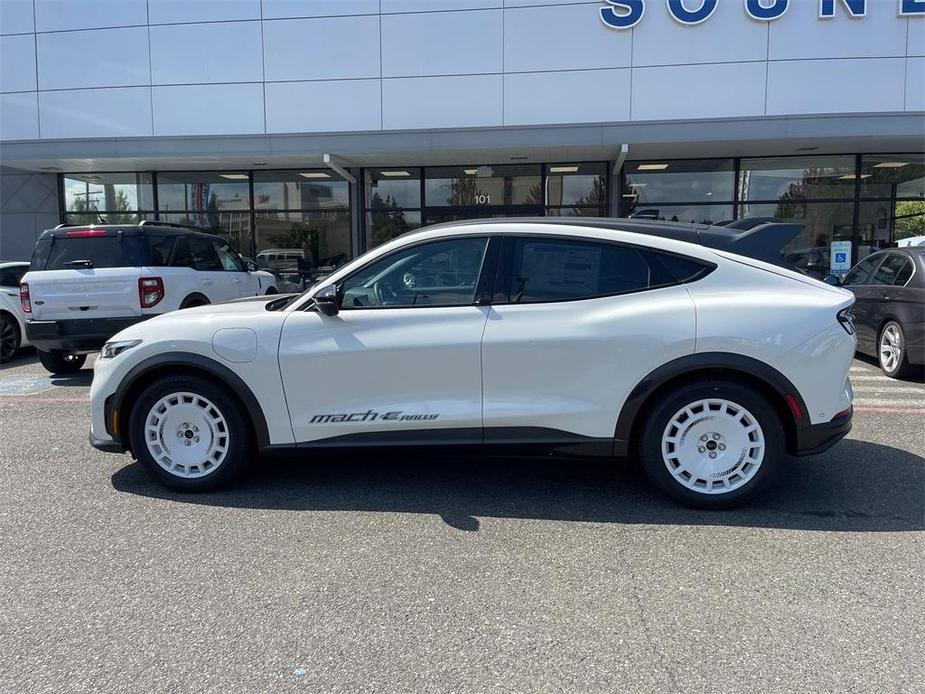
<point>800,34</point>
<point>698,91</point>
<point>16,17</point>
<point>167,11</point>
<point>727,36</point>
<point>391,6</point>
<point>441,43</point>
<point>532,3</point>
<point>237,345</point>
<point>583,96</point>
<point>280,9</point>
<point>442,102</point>
<point>836,86</point>
<point>915,84</point>
<point>19,116</point>
<point>65,15</point>
<point>97,58</point>
<point>206,53</point>
<point>233,109</point>
<point>569,37</point>
<point>331,48</point>
<point>328,106</point>
<point>96,113</point>
<point>915,41</point>
<point>536,357</point>
<point>438,372</point>
<point>17,58</point>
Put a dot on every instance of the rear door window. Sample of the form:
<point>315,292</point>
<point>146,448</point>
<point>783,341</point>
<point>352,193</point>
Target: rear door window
<point>125,250</point>
<point>549,269</point>
<point>161,250</point>
<point>860,273</point>
<point>904,273</point>
<point>889,269</point>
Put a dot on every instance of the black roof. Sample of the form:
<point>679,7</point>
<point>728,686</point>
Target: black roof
<point>763,241</point>
<point>144,227</point>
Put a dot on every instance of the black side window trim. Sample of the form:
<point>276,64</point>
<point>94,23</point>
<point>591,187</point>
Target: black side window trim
<point>650,256</point>
<point>483,286</point>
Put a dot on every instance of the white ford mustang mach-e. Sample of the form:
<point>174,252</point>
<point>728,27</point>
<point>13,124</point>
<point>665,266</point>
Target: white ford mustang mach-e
<point>617,338</point>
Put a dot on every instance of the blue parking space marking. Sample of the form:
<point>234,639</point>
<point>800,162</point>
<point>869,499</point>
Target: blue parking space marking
<point>25,385</point>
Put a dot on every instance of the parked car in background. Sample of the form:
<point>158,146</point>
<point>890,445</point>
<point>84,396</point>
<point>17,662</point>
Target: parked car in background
<point>911,241</point>
<point>814,262</point>
<point>582,337</point>
<point>12,325</point>
<point>889,313</point>
<point>87,283</point>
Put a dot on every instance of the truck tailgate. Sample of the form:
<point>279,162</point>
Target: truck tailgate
<point>84,293</point>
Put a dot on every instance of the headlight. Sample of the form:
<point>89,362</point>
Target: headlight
<point>114,349</point>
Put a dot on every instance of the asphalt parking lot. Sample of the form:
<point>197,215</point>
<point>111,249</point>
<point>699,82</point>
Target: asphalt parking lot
<point>427,574</point>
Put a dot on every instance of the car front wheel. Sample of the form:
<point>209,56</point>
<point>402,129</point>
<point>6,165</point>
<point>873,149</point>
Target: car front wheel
<point>190,433</point>
<point>891,351</point>
<point>712,444</point>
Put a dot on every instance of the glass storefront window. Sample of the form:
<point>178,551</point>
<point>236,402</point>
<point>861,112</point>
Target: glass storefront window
<point>483,186</point>
<point>300,190</point>
<point>393,188</point>
<point>385,224</point>
<point>310,243</point>
<point>576,185</point>
<point>203,195</point>
<point>235,227</point>
<point>696,214</point>
<point>115,195</point>
<point>796,178</point>
<point>679,180</point>
<point>893,176</point>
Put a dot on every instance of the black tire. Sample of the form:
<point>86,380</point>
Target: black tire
<point>238,432</point>
<point>62,362</point>
<point>665,409</point>
<point>271,291</point>
<point>10,339</point>
<point>900,367</point>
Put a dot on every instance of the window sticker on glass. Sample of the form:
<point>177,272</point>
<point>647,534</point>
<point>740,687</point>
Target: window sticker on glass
<point>553,267</point>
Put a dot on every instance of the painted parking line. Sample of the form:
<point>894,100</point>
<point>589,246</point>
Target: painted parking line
<point>888,402</point>
<point>21,399</point>
<point>870,388</point>
<point>890,410</point>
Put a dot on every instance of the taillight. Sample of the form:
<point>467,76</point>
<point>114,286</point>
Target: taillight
<point>83,233</point>
<point>846,320</point>
<point>150,291</point>
<point>24,299</point>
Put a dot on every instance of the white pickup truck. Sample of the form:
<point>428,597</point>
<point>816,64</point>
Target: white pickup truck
<point>86,283</point>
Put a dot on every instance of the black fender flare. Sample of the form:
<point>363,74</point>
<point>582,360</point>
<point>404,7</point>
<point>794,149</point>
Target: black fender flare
<point>199,296</point>
<point>196,361</point>
<point>693,363</point>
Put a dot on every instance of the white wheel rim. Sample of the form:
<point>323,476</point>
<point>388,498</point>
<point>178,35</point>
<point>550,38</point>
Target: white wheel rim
<point>890,348</point>
<point>186,435</point>
<point>713,446</point>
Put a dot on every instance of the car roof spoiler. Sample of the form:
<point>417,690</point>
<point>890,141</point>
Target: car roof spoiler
<point>764,242</point>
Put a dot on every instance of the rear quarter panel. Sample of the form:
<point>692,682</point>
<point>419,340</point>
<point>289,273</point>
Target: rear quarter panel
<point>786,323</point>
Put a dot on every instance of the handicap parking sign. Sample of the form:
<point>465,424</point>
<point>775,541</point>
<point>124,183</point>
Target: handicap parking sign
<point>841,257</point>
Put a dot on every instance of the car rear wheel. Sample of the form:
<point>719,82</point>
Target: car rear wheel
<point>891,351</point>
<point>10,339</point>
<point>62,362</point>
<point>712,444</point>
<point>190,433</point>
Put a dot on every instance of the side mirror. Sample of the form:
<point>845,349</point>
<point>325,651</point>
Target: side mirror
<point>251,266</point>
<point>832,279</point>
<point>327,300</point>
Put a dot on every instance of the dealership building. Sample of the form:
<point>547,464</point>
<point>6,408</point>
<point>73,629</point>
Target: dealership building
<point>318,129</point>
